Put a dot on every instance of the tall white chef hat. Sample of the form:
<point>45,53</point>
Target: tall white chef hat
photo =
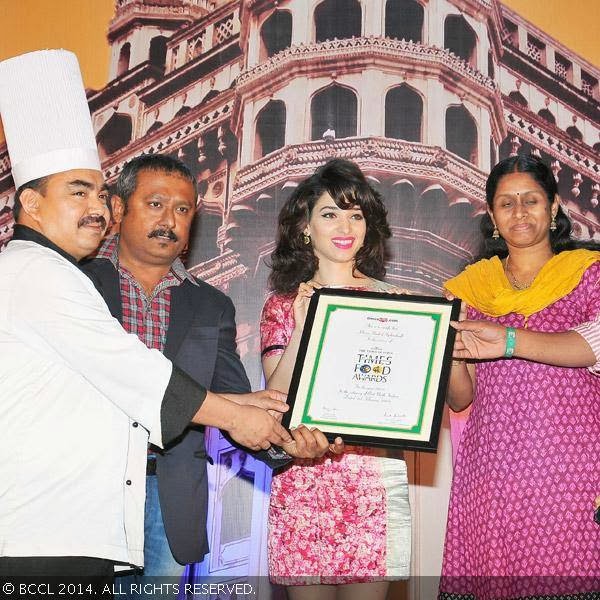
<point>45,115</point>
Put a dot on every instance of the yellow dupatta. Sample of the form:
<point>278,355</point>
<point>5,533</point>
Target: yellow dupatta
<point>484,285</point>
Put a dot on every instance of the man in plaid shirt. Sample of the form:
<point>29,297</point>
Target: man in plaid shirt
<point>147,288</point>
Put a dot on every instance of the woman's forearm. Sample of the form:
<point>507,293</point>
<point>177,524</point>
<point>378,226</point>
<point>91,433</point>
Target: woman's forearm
<point>279,369</point>
<point>460,386</point>
<point>485,340</point>
<point>564,349</point>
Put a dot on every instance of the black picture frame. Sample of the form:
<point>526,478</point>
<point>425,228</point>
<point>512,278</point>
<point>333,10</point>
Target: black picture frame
<point>367,303</point>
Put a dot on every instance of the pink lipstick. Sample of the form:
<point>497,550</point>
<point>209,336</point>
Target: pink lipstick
<point>343,243</point>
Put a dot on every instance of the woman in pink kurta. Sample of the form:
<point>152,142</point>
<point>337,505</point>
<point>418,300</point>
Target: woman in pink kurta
<point>520,521</point>
<point>339,526</point>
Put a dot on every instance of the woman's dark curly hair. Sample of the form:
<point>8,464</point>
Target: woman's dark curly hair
<point>293,261</point>
<point>560,238</point>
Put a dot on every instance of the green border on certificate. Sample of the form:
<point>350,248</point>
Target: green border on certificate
<point>306,418</point>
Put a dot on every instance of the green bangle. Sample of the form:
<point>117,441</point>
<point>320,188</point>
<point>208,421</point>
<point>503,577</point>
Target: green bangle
<point>511,341</point>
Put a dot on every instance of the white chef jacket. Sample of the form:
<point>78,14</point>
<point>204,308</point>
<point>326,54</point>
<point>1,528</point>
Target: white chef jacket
<point>78,398</point>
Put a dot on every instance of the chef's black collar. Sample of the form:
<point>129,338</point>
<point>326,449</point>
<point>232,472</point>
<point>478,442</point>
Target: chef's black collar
<point>26,234</point>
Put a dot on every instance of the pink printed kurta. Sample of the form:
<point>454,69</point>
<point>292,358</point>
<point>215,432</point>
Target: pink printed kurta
<point>342,519</point>
<point>520,521</point>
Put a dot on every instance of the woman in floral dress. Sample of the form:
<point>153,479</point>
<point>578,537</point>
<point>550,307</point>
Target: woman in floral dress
<point>339,526</point>
<point>520,521</point>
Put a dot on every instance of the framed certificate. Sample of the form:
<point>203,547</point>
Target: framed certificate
<point>373,367</point>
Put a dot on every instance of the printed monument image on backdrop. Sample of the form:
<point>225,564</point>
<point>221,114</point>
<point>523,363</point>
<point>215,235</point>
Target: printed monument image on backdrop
<point>425,95</point>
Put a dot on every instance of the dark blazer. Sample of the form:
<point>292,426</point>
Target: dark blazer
<point>201,341</point>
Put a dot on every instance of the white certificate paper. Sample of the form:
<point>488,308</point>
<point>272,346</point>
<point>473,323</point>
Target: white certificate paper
<point>381,362</point>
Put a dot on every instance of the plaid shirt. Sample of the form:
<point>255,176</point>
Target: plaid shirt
<point>146,316</point>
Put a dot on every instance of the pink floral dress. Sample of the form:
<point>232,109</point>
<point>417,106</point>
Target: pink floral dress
<point>520,521</point>
<point>338,519</point>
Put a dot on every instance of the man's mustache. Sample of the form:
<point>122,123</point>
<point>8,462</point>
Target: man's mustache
<point>90,219</point>
<point>164,232</point>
